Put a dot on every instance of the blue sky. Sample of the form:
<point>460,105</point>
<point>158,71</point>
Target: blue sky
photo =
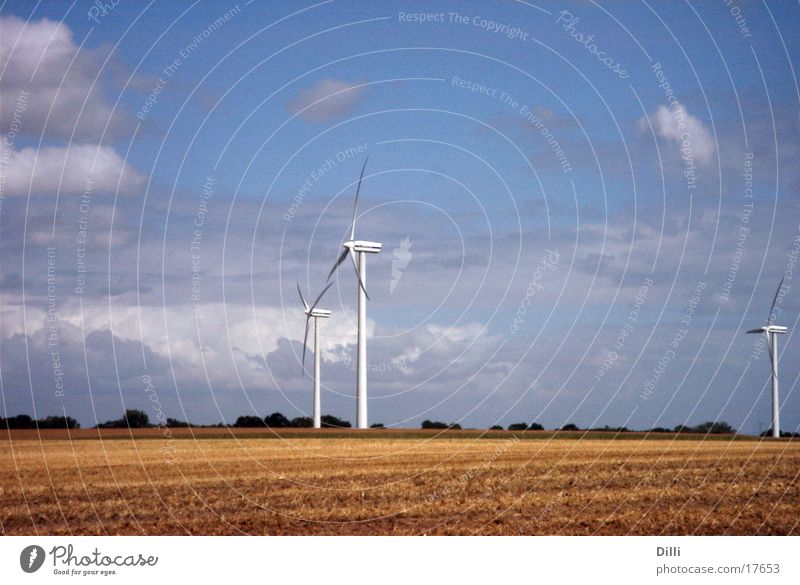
<point>555,151</point>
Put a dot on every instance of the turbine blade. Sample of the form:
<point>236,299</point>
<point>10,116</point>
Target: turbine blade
<point>302,300</point>
<point>324,290</point>
<point>338,263</point>
<point>774,300</point>
<point>305,343</point>
<point>759,330</point>
<point>358,276</point>
<point>355,203</point>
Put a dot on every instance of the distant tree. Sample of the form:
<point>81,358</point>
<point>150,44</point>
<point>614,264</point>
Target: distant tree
<point>496,428</point>
<point>518,427</point>
<point>277,421</point>
<point>682,429</point>
<point>454,426</point>
<point>249,421</point>
<point>535,427</point>
<point>377,426</point>
<point>328,420</point>
<point>714,428</point>
<point>175,423</point>
<point>609,429</point>
<point>23,421</point>
<point>111,424</point>
<point>659,430</point>
<point>303,422</point>
<point>20,421</point>
<point>136,419</point>
<point>570,427</point>
<point>433,424</point>
<point>59,422</point>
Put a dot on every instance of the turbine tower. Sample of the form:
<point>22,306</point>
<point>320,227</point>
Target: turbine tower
<point>358,250</point>
<point>772,332</point>
<point>317,314</point>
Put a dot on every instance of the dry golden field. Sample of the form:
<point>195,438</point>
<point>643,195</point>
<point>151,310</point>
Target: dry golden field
<point>392,483</point>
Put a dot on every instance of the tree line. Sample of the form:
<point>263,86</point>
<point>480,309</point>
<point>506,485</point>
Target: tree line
<point>23,421</point>
<point>137,419</point>
<point>278,420</point>
<point>706,428</point>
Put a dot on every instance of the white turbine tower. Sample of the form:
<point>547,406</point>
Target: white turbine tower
<point>317,314</point>
<point>772,332</point>
<point>359,248</point>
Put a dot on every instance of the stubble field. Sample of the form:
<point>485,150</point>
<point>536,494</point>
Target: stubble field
<point>395,484</point>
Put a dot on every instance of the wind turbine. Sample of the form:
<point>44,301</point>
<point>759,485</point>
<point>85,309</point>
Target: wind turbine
<point>772,332</point>
<point>317,314</point>
<point>358,250</point>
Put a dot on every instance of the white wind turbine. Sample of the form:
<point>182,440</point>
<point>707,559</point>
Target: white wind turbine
<point>361,248</point>
<point>317,314</point>
<point>772,332</point>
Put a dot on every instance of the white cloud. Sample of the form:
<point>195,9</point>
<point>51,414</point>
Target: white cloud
<point>59,83</point>
<point>69,170</point>
<point>330,98</point>
<point>239,336</point>
<point>233,334</point>
<point>53,89</point>
<point>686,131</point>
<point>445,345</point>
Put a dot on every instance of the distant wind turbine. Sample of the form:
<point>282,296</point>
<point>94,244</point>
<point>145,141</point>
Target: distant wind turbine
<point>362,248</point>
<point>772,332</point>
<point>317,314</point>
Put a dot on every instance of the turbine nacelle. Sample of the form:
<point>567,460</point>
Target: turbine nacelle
<point>319,313</point>
<point>363,246</point>
<point>770,329</point>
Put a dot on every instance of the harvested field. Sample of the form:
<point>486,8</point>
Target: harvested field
<point>395,484</point>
